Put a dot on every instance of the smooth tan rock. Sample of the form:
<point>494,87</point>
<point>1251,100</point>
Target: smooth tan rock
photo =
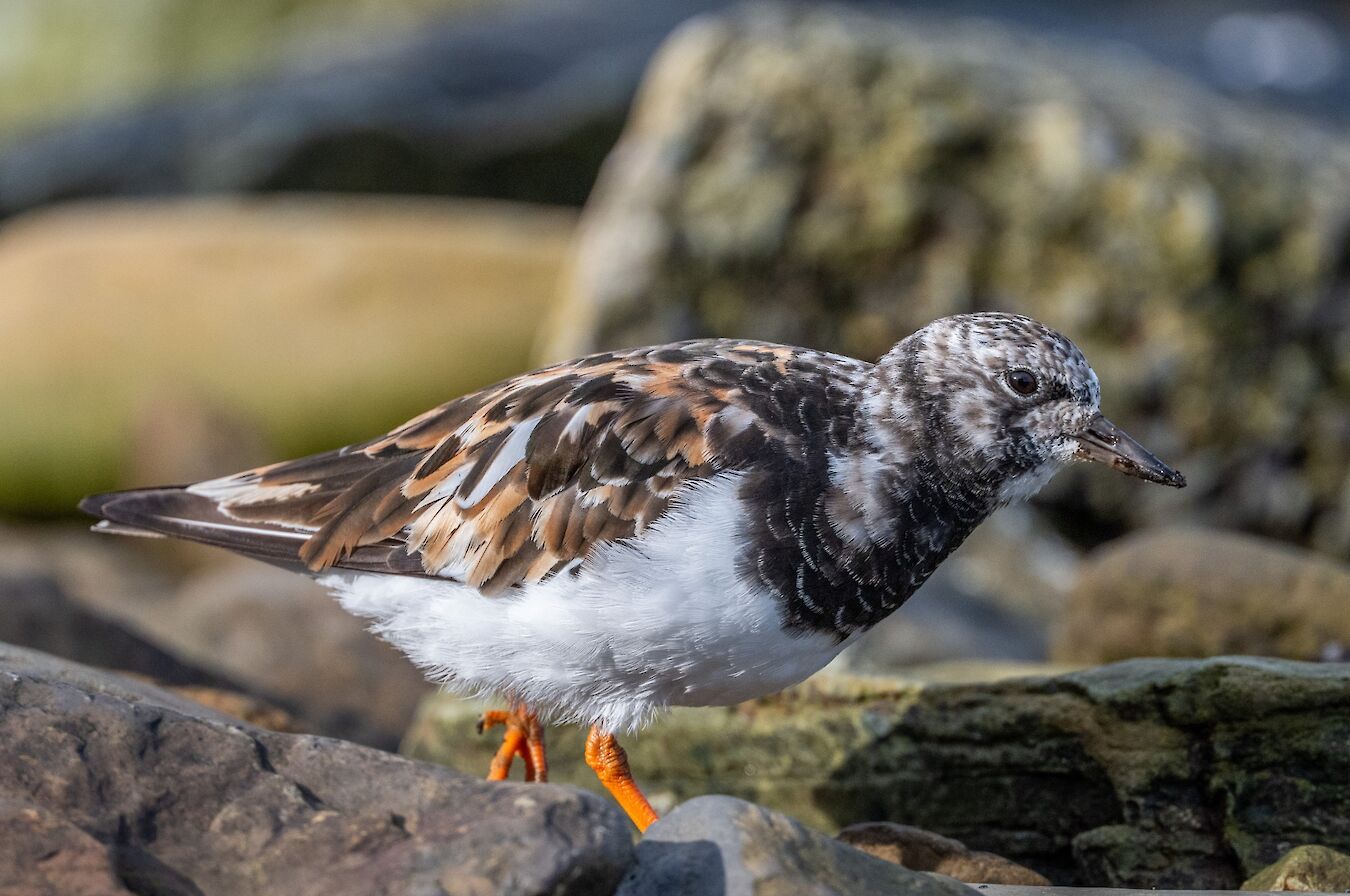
<point>920,850</point>
<point>310,323</point>
<point>1306,869</point>
<point>1196,593</point>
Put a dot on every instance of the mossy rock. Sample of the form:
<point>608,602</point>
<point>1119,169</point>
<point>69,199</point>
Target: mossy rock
<point>1148,773</point>
<point>836,178</point>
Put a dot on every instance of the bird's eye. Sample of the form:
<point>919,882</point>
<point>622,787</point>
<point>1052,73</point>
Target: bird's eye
<point>1023,382</point>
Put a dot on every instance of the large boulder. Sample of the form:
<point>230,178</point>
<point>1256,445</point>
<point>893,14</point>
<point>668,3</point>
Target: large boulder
<point>176,799</point>
<point>836,178</point>
<point>1190,592</point>
<point>266,328</point>
<point>717,844</point>
<point>1149,773</point>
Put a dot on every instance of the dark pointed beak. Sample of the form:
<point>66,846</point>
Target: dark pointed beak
<point>1103,442</point>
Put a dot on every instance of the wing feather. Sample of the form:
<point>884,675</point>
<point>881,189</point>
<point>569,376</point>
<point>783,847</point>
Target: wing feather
<point>514,483</point>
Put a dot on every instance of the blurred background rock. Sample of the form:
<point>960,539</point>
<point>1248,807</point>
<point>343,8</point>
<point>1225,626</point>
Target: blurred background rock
<point>190,283</point>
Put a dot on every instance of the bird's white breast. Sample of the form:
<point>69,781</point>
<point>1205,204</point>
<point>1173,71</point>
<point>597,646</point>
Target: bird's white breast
<point>658,620</point>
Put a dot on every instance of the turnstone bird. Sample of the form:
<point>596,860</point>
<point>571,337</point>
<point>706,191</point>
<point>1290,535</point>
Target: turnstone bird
<point>693,524</point>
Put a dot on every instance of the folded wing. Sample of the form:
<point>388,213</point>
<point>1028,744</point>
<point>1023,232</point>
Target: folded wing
<point>506,486</point>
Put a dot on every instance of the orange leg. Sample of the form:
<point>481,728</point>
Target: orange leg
<point>524,737</point>
<point>610,764</point>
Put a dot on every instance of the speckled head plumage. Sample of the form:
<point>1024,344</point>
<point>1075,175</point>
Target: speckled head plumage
<point>1001,401</point>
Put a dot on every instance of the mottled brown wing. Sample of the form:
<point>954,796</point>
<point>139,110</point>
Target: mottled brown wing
<point>514,483</point>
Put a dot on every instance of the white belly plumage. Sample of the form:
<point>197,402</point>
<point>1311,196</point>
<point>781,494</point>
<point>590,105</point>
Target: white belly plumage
<point>662,619</point>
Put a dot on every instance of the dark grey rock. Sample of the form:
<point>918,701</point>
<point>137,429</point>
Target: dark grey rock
<point>188,802</point>
<point>728,847</point>
<point>228,625</point>
<point>944,622</point>
<point>36,612</point>
<point>241,618</point>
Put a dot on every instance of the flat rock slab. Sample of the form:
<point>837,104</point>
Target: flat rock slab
<point>1166,773</point>
<point>146,790</point>
<point>725,846</point>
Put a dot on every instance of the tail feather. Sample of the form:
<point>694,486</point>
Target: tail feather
<point>177,513</point>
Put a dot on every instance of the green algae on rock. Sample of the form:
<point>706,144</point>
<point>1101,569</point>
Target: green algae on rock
<point>1148,773</point>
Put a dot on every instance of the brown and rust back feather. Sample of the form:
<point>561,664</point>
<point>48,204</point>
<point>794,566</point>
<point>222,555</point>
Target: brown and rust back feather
<point>465,492</point>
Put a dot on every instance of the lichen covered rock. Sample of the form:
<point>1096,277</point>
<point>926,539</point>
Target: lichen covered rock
<point>1305,868</point>
<point>838,178</point>
<point>1148,773</point>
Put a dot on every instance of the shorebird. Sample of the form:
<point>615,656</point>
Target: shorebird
<point>693,524</point>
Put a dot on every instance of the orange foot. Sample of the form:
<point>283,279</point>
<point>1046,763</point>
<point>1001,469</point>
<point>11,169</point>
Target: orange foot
<point>610,764</point>
<point>524,737</point>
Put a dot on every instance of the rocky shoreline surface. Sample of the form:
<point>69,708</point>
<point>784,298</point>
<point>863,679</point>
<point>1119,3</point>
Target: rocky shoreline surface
<point>1165,774</point>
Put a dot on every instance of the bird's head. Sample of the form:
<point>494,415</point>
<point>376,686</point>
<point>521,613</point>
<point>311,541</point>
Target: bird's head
<point>1003,398</point>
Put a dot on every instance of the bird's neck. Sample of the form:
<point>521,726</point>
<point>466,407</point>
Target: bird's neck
<point>903,447</point>
<point>892,514</point>
<point>883,498</point>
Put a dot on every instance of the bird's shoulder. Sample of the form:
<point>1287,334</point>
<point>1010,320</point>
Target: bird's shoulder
<point>515,482</point>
